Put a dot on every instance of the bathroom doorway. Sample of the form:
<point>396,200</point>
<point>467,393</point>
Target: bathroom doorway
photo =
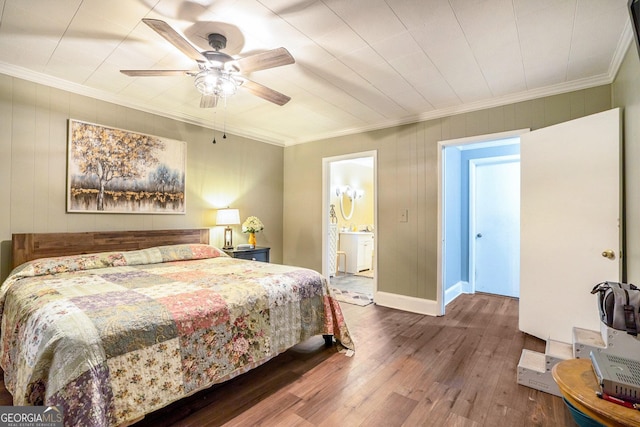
<point>349,244</point>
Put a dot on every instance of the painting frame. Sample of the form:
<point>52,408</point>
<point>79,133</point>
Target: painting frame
<point>118,171</point>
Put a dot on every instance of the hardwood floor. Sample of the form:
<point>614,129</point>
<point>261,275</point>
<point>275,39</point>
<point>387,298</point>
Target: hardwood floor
<point>408,370</point>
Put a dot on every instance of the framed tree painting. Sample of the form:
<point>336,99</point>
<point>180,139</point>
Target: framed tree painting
<point>112,170</point>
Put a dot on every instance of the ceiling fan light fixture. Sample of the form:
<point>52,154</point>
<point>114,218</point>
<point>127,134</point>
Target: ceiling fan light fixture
<point>205,82</point>
<point>217,59</point>
<point>226,85</point>
<point>215,82</point>
<point>219,74</point>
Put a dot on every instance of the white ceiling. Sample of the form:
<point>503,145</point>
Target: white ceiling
<point>360,64</point>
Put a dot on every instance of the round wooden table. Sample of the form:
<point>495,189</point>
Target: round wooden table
<point>578,384</point>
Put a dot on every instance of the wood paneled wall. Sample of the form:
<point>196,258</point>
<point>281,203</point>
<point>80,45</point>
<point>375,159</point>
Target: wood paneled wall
<point>237,172</point>
<point>281,186</point>
<point>407,179</point>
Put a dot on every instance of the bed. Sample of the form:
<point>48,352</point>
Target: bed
<point>114,325</point>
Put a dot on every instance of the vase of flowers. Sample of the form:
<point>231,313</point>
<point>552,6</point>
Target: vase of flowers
<point>252,225</point>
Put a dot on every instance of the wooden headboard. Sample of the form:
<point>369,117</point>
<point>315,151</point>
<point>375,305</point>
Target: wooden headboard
<point>28,246</point>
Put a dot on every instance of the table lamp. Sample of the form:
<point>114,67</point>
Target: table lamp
<point>228,217</point>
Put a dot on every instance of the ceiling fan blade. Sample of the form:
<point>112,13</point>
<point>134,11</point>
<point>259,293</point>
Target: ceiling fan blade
<point>263,61</point>
<point>264,92</point>
<point>172,36</point>
<point>150,73</point>
<point>208,101</point>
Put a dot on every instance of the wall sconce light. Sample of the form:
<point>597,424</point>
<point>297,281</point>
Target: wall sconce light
<point>228,217</point>
<point>351,193</point>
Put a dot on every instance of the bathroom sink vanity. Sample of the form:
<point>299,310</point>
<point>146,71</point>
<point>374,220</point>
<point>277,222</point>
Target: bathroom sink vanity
<point>358,246</point>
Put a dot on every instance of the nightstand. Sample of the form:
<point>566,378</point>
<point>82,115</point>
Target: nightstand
<point>260,253</point>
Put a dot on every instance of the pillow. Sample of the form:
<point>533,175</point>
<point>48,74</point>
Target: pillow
<point>186,252</point>
<point>54,265</point>
<point>155,255</point>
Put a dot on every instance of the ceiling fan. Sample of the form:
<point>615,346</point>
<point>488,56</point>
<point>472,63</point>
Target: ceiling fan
<point>218,74</point>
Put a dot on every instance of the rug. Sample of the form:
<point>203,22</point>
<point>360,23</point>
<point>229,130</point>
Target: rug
<point>351,297</point>
<point>365,273</point>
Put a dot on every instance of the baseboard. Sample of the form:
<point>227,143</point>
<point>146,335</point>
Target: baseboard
<point>466,287</point>
<point>454,291</point>
<point>405,303</point>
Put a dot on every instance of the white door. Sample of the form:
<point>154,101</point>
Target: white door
<point>496,229</point>
<point>570,212</point>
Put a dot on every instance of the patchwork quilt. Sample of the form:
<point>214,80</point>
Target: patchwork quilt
<point>113,336</point>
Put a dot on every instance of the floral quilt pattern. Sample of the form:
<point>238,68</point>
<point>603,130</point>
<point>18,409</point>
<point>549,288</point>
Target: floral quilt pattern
<point>113,336</point>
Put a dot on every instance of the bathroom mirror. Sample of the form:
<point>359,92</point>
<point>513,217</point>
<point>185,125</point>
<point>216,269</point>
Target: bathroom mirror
<point>348,196</point>
<point>346,205</point>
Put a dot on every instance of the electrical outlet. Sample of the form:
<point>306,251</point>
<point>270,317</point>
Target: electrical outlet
<point>403,215</point>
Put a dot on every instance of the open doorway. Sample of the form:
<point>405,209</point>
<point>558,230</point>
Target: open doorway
<point>349,226</point>
<point>463,254</point>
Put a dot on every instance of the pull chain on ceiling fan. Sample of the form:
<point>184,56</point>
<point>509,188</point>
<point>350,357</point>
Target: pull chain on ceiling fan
<point>219,75</point>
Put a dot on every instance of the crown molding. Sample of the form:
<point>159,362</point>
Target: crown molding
<point>58,83</point>
<point>626,38</point>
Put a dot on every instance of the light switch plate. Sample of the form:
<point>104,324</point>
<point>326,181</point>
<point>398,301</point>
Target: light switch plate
<point>403,215</point>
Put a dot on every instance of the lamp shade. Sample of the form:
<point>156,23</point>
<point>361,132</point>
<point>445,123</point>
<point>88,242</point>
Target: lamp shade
<point>228,217</point>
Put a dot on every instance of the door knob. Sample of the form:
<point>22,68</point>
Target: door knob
<point>479,235</point>
<point>609,254</point>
